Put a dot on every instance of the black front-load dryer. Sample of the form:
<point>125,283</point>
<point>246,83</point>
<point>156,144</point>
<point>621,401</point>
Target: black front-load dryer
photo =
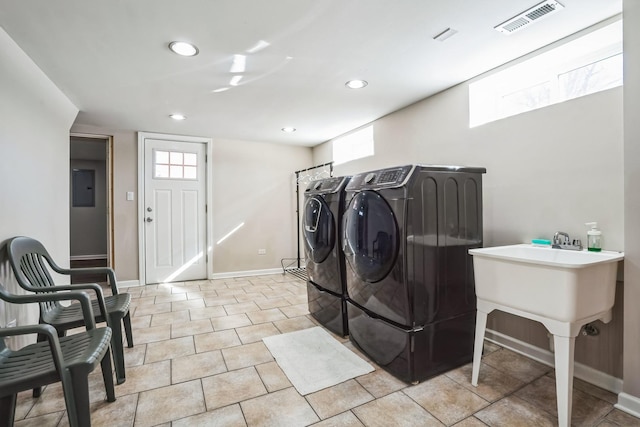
<point>321,223</point>
<point>411,295</point>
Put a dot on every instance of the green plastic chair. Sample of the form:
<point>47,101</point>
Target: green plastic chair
<point>29,260</point>
<point>69,360</point>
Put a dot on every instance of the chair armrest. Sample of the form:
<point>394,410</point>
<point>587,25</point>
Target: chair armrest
<point>82,297</point>
<point>46,330</point>
<point>91,270</point>
<point>93,286</point>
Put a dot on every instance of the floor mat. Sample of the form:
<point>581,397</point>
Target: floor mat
<point>312,359</point>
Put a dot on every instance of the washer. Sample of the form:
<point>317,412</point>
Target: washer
<point>322,223</point>
<point>411,298</point>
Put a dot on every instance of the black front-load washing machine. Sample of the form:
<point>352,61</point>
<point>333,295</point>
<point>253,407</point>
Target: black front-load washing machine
<point>406,235</point>
<point>321,222</point>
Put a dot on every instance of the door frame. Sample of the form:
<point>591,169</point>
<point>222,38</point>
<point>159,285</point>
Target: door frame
<point>142,136</point>
<point>108,139</point>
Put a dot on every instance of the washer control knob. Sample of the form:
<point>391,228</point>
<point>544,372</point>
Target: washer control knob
<point>368,179</point>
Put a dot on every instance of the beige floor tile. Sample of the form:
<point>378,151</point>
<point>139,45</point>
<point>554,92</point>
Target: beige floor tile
<point>207,312</point>
<point>622,418</point>
<point>140,322</point>
<point>43,420</point>
<point>339,398</point>
<point>295,310</point>
<point>219,300</point>
<point>194,327</point>
<point>187,305</point>
<point>197,366</point>
<point>272,376</point>
<point>243,307</point>
<point>380,383</point>
<point>24,404</point>
<point>169,349</point>
<point>202,294</point>
<point>152,334</point>
<point>185,287</point>
<point>229,292</point>
<point>298,299</point>
<point>230,322</point>
<point>229,416</point>
<point>277,293</point>
<point>170,317</point>
<point>395,409</point>
<point>255,333</point>
<point>145,377</point>
<point>171,298</point>
<point>587,409</point>
<point>593,390</point>
<point>295,324</point>
<point>216,340</point>
<point>346,419</point>
<point>134,356</point>
<point>281,408</point>
<point>232,387</point>
<point>470,422</point>
<point>250,296</point>
<point>136,302</point>
<point>118,413</point>
<point>264,316</point>
<point>445,399</point>
<point>273,303</point>
<point>246,355</point>
<point>160,405</point>
<point>144,310</point>
<point>515,412</point>
<point>492,384</point>
<point>516,365</point>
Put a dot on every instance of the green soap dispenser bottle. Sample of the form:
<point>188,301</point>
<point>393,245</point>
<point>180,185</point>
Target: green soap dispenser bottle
<point>594,237</point>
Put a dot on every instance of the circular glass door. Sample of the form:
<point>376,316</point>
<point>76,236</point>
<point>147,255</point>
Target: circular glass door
<point>370,236</point>
<point>319,229</point>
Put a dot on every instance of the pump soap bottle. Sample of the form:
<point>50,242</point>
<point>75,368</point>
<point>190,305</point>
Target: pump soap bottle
<point>594,237</point>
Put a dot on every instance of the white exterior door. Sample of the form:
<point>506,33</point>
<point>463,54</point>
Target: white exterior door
<point>174,211</point>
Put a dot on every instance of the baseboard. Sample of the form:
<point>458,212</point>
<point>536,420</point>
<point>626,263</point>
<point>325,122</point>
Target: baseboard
<point>583,372</point>
<point>128,283</point>
<point>246,273</point>
<point>87,257</point>
<point>629,404</point>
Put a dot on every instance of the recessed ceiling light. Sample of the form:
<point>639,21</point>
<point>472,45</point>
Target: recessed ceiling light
<point>356,84</point>
<point>178,116</point>
<point>288,129</point>
<point>183,48</point>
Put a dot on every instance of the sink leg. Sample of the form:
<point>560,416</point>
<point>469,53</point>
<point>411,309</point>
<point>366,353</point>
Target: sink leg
<point>564,353</point>
<point>481,325</point>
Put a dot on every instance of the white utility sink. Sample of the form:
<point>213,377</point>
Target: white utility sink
<point>562,289</point>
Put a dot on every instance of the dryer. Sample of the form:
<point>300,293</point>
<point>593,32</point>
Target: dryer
<point>322,226</point>
<point>406,235</point>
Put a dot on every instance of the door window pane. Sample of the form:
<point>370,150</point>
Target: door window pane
<point>175,165</point>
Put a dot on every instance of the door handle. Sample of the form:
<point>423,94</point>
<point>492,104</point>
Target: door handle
<point>149,219</point>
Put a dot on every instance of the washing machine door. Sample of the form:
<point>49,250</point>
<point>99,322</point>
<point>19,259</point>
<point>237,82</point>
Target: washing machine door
<point>370,236</point>
<point>319,229</point>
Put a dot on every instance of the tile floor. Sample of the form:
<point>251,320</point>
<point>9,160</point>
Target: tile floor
<point>199,360</point>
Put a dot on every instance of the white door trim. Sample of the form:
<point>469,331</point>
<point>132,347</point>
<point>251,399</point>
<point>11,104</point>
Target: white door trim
<point>209,196</point>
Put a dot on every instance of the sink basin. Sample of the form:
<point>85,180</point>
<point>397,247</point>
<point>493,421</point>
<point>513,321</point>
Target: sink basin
<point>557,284</point>
<point>560,288</point>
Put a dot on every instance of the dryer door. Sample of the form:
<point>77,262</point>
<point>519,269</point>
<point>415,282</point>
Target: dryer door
<point>319,229</point>
<point>370,236</point>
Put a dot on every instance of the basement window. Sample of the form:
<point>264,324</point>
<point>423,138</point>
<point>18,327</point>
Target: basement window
<point>353,146</point>
<point>584,65</point>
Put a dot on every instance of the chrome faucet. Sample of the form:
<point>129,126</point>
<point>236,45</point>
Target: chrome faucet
<point>561,240</point>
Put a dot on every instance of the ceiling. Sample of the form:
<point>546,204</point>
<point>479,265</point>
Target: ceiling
<point>111,58</point>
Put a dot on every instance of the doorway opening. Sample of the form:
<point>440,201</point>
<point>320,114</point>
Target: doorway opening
<point>90,204</point>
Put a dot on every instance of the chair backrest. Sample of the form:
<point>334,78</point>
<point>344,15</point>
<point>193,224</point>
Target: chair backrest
<point>29,259</point>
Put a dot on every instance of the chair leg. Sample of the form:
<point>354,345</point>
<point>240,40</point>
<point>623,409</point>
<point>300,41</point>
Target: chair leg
<point>107,376</point>
<point>118,350</point>
<point>127,329</point>
<point>80,392</point>
<point>8,409</point>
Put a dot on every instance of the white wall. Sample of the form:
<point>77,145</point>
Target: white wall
<point>34,177</point>
<point>632,205</point>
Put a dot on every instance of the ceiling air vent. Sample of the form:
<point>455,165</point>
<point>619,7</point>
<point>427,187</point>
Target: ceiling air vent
<point>527,17</point>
